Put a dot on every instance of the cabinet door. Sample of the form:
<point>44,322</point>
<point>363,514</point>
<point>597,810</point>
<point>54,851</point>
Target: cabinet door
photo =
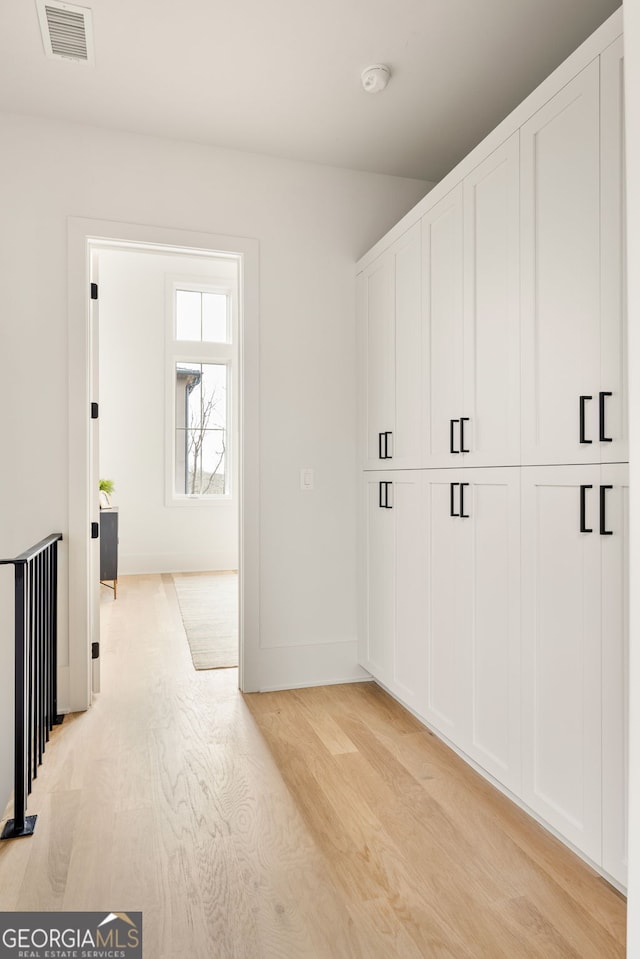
<point>442,277</point>
<point>376,290</point>
<point>492,309</point>
<point>561,650</point>
<point>379,586</point>
<point>489,599</point>
<point>406,443</point>
<point>560,275</point>
<point>410,645</point>
<point>390,293</point>
<point>444,707</point>
<point>615,670</point>
<point>395,645</point>
<point>612,250</point>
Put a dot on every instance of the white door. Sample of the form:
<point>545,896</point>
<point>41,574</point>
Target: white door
<point>561,651</point>
<point>615,667</point>
<point>94,471</point>
<point>492,309</point>
<point>560,276</point>
<point>442,277</point>
<point>614,446</point>
<point>489,599</point>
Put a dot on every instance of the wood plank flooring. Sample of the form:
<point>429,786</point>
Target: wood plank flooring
<point>321,823</point>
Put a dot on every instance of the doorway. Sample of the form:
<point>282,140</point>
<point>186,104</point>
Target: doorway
<point>168,387</point>
<point>194,263</point>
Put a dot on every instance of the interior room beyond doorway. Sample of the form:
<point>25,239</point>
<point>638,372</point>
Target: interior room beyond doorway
<point>168,427</point>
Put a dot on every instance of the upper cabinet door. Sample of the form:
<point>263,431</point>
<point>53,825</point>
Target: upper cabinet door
<point>390,307</point>
<point>443,338</point>
<point>614,447</point>
<point>492,310</point>
<point>376,294</point>
<point>560,276</point>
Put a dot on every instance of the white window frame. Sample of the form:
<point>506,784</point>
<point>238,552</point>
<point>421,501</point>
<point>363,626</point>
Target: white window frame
<point>194,351</point>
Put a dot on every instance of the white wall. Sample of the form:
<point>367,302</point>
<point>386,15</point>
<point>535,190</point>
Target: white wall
<point>154,537</point>
<point>632,120</point>
<point>312,223</point>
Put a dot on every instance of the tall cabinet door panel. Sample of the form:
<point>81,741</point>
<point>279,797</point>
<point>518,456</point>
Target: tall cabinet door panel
<point>615,668</point>
<point>390,304</point>
<point>379,622</point>
<point>489,586</point>
<point>405,445</point>
<point>561,649</point>
<point>394,642</point>
<point>560,274</point>
<point>612,197</point>
<point>492,309</point>
<point>445,621</point>
<point>442,256</point>
<point>410,646</point>
<point>377,295</point>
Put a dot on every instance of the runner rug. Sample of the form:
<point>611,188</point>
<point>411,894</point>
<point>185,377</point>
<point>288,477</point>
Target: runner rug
<point>209,607</point>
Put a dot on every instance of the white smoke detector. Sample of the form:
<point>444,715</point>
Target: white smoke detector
<point>375,78</point>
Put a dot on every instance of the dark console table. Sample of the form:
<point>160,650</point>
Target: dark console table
<point>109,547</point>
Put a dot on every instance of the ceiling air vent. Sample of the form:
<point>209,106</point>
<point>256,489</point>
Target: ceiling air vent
<point>66,31</point>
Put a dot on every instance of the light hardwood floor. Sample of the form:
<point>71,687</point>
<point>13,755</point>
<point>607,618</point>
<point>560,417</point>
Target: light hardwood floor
<point>312,824</point>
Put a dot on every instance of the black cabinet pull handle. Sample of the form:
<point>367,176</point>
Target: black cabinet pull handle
<point>380,450</point>
<point>452,511</point>
<point>462,512</point>
<point>583,400</point>
<point>387,454</point>
<point>583,508</point>
<point>387,504</point>
<point>463,449</point>
<point>603,517</point>
<point>451,436</point>
<point>380,496</point>
<point>603,437</point>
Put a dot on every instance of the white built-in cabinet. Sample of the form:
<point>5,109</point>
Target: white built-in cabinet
<point>494,449</point>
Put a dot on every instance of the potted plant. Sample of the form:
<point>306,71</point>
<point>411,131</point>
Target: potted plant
<point>107,487</point>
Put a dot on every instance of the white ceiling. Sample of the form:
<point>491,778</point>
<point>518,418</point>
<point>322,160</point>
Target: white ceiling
<point>282,76</point>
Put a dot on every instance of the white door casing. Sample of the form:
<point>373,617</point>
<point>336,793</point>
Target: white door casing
<point>83,234</point>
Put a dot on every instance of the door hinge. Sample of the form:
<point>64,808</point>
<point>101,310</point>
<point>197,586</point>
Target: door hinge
<point>95,531</point>
<point>95,650</point>
<point>94,291</point>
<point>94,411</point>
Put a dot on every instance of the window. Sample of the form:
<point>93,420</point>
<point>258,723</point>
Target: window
<point>202,317</point>
<point>201,352</point>
<point>201,429</point>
